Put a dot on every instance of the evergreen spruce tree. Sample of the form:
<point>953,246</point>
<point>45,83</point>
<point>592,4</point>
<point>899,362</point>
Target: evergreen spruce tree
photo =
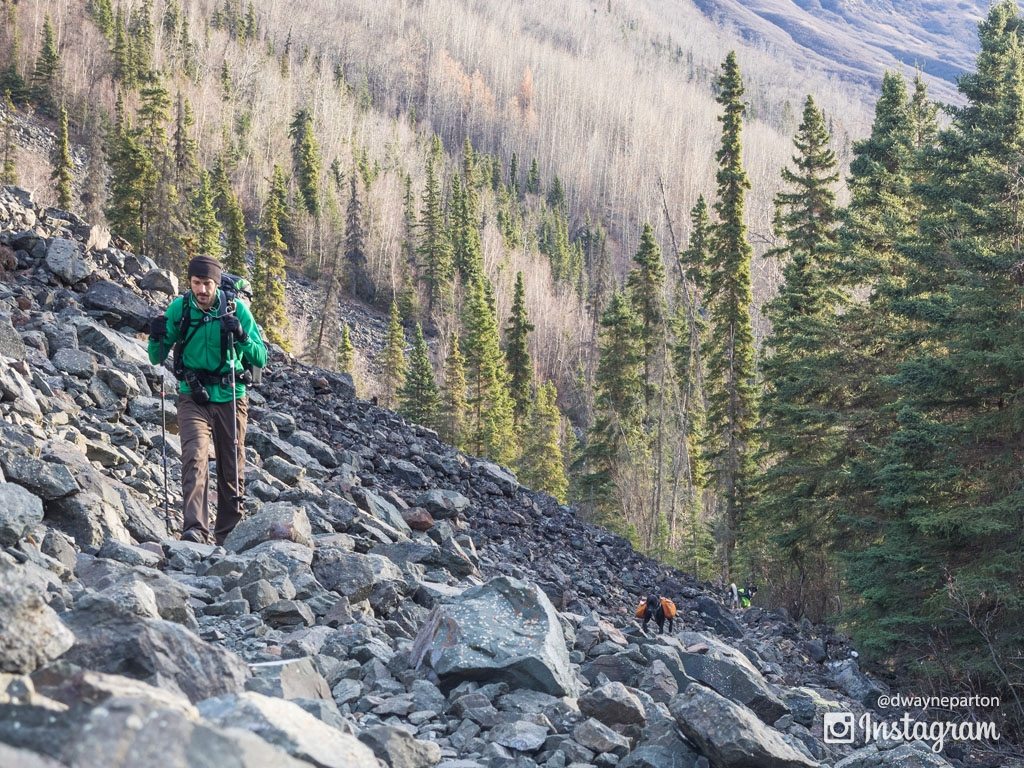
<point>346,351</point>
<point>186,149</point>
<point>9,174</point>
<point>556,194</point>
<point>732,401</point>
<point>394,375</point>
<point>490,430</point>
<point>45,73</point>
<point>513,175</point>
<point>542,466</point>
<point>63,166</point>
<point>646,285</point>
<point>434,250</point>
<point>121,50</point>
<point>306,158</point>
<point>420,400</point>
<point>618,412</point>
<point>453,397</point>
<point>798,439</point>
<point>204,226</point>
<point>130,168</point>
<point>162,219</point>
<point>360,283</point>
<point>269,269</point>
<point>102,13</point>
<point>141,40</point>
<point>533,178</point>
<point>517,353</point>
<point>234,229</point>
<point>11,80</point>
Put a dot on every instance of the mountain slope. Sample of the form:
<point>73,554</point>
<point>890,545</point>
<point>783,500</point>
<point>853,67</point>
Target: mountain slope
<point>857,39</point>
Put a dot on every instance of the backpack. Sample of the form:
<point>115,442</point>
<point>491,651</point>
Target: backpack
<point>668,608</point>
<point>641,608</point>
<point>232,288</point>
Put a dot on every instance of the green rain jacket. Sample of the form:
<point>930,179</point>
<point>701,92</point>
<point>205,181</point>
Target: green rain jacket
<point>203,350</point>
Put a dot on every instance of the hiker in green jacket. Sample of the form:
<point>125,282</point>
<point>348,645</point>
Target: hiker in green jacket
<point>214,343</point>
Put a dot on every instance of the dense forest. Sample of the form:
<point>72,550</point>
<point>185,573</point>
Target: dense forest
<point>810,379</point>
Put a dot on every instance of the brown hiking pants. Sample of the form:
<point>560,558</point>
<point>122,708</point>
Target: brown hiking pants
<point>198,427</point>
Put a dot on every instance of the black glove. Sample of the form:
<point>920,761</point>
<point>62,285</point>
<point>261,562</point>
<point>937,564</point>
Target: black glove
<point>234,328</point>
<point>158,327</point>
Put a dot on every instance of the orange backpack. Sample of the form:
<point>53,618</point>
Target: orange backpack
<point>668,607</point>
<point>640,609</point>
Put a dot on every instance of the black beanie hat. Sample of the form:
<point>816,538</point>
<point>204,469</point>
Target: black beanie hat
<point>205,267</point>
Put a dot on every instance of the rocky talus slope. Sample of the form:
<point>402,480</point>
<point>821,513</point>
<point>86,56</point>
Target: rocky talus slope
<point>387,601</point>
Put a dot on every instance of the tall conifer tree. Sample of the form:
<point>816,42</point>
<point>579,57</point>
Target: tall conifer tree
<point>453,395</point>
<point>517,353</point>
<point>732,401</point>
<point>394,375</point>
<point>420,399</point>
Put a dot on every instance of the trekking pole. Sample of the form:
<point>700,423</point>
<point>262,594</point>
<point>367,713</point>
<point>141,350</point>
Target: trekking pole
<point>163,453</point>
<point>234,435</point>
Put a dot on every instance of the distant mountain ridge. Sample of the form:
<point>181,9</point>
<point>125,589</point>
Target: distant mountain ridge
<point>858,39</point>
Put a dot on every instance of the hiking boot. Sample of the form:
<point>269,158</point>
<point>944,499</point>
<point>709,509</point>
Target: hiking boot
<point>195,535</point>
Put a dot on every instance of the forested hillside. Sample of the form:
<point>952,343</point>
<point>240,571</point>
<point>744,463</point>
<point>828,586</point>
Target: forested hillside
<point>702,293</point>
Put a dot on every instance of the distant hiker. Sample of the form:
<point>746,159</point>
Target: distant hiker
<point>661,609</point>
<point>214,339</point>
<point>742,596</point>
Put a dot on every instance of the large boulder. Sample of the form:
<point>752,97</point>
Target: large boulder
<point>351,574</point>
<point>31,634</point>
<point>278,521</point>
<point>159,652</point>
<point>19,511</point>
<point>504,630</point>
<point>730,735</point>
<point>288,726</point>
<point>65,259</point>
<point>131,732</point>
<point>717,665</point>
<point>118,304</point>
<point>398,749</point>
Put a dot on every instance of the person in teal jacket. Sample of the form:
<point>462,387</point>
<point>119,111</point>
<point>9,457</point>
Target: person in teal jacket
<point>221,337</point>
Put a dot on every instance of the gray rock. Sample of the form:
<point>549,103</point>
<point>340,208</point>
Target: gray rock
<point>718,617</point>
<point>521,735</point>
<point>501,477</point>
<point>105,341</point>
<point>504,630</point>
<point>119,304</point>
<point>75,362</point>
<point>289,679</point>
<point>659,682</point>
<point>351,574</point>
<point>65,259</point>
<point>11,345</point>
<point>854,683</point>
<point>31,634</point>
<point>396,748</point>
<point>278,521</point>
<point>600,738</point>
<point>153,650</point>
<point>443,504</point>
<point>20,510</point>
<point>98,238</point>
<point>289,613</point>
<point>289,727</point>
<point>124,733</point>
<point>318,449</point>
<point>731,735</point>
<point>730,673</point>
<point>48,480</point>
<point>283,470</point>
<point>160,281</point>
<point>613,704</point>
<point>409,474</point>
